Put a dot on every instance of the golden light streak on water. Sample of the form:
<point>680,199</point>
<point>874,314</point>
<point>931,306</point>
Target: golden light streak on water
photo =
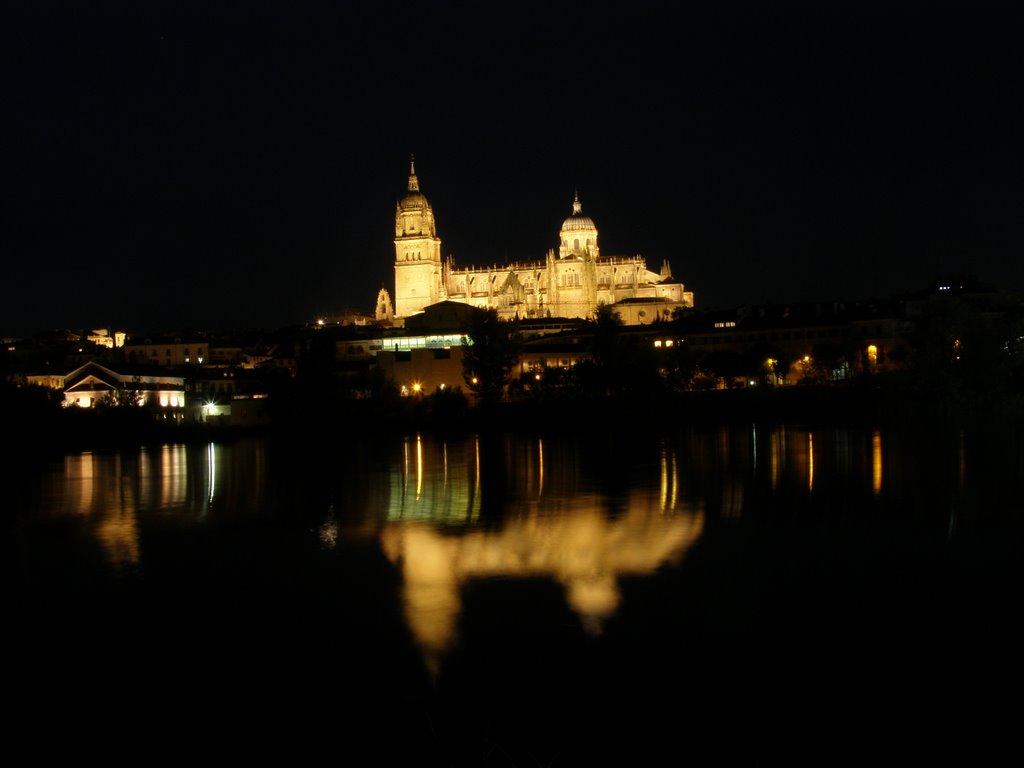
<point>810,462</point>
<point>476,478</point>
<point>81,469</point>
<point>405,467</point>
<point>664,478</point>
<point>876,462</point>
<point>540,461</point>
<point>173,471</point>
<point>419,467</point>
<point>669,487</point>
<point>675,483</point>
<point>776,456</point>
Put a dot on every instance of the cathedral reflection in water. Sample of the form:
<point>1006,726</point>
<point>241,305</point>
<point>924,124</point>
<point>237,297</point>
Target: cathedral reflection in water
<point>551,529</point>
<point>448,513</point>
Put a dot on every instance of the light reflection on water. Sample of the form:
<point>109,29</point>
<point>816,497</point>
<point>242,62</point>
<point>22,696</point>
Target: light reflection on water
<point>827,570</point>
<point>453,482</point>
<point>109,492</point>
<point>568,537</point>
<point>427,506</point>
<point>447,512</point>
<point>444,483</point>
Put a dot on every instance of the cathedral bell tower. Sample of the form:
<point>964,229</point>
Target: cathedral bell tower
<point>417,251</point>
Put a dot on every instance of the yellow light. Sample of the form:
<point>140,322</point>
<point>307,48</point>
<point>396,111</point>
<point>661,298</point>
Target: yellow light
<point>536,376</point>
<point>668,343</point>
<point>876,462</point>
<point>657,342</point>
<point>807,358</point>
<point>416,387</point>
<point>810,462</point>
<point>872,354</point>
<point>475,380</point>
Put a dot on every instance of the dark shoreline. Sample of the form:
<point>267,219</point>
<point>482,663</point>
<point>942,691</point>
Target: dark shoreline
<point>37,435</point>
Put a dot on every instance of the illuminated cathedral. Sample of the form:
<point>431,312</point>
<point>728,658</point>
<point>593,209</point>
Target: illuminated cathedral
<point>570,282</point>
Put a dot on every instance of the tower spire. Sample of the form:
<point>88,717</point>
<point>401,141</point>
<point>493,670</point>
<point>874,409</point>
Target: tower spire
<point>414,183</point>
<point>576,207</point>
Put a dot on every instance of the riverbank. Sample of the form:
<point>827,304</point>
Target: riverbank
<point>41,432</point>
<point>813,406</point>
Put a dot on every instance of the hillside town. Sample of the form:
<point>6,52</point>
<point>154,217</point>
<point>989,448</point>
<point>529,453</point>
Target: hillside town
<point>558,332</point>
<point>953,330</point>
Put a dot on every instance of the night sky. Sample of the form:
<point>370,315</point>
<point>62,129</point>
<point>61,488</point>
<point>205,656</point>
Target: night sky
<point>237,166</point>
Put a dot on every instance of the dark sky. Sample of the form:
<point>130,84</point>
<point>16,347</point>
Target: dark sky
<point>237,166</point>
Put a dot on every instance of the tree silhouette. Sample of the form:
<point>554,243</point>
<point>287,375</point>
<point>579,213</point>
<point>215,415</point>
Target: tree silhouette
<point>490,353</point>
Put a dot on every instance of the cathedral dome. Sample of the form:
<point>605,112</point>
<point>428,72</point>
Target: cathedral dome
<point>414,199</point>
<point>578,222</point>
<point>414,217</point>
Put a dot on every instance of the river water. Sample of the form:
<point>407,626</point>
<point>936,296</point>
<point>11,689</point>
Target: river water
<point>750,595</point>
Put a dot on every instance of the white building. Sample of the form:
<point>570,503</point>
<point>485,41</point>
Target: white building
<point>92,383</point>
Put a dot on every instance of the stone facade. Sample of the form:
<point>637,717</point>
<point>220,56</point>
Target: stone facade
<point>569,282</point>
